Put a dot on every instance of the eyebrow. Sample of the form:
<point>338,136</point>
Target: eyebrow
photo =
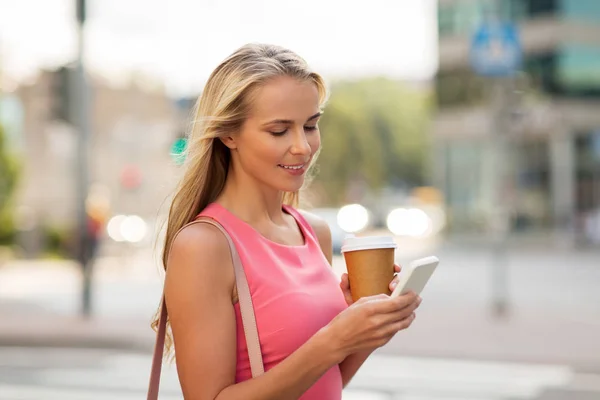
<point>289,121</point>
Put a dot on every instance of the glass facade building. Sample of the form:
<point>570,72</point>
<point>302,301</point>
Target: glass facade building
<point>542,166</point>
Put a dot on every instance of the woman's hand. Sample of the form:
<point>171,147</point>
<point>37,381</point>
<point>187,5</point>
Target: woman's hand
<point>345,284</point>
<point>370,323</point>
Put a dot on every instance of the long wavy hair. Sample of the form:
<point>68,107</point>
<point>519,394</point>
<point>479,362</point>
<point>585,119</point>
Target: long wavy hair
<point>219,112</point>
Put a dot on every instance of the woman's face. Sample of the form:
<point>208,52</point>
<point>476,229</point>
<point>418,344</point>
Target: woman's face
<point>280,136</point>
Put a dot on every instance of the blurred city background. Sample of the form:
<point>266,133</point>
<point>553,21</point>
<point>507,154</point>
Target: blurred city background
<point>468,129</point>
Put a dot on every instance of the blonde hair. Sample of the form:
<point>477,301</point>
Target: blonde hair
<point>220,111</point>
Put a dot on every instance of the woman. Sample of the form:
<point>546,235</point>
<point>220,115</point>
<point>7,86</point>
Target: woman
<point>254,138</point>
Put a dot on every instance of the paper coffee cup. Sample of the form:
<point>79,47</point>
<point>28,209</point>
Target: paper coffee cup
<point>370,264</point>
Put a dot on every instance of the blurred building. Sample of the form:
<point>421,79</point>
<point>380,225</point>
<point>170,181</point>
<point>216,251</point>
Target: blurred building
<point>553,117</point>
<point>131,170</point>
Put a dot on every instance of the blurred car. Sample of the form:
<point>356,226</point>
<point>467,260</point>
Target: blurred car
<point>330,215</point>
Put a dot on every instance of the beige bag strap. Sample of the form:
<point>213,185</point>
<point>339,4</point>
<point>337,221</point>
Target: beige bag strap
<point>246,308</point>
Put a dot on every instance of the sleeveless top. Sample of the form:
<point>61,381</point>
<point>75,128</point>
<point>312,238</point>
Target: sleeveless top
<point>294,293</point>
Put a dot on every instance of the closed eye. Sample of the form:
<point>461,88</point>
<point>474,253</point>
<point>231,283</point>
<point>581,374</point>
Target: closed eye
<point>283,132</point>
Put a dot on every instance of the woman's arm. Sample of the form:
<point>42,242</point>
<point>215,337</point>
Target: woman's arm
<point>198,289</point>
<point>350,365</point>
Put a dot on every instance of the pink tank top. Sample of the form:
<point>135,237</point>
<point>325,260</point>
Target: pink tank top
<point>294,293</point>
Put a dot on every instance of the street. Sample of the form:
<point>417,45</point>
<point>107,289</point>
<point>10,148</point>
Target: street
<point>84,374</point>
<point>545,348</point>
<point>129,286</point>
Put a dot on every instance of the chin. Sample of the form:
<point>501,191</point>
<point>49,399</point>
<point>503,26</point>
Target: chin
<point>291,188</point>
<point>282,182</point>
<point>288,186</point>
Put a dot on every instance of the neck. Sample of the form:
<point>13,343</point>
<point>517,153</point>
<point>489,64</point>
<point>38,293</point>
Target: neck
<point>249,200</point>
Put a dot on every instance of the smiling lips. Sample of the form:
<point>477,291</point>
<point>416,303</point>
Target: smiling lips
<point>297,169</point>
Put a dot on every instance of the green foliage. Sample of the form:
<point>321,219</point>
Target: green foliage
<point>58,243</point>
<point>9,172</point>
<point>373,131</point>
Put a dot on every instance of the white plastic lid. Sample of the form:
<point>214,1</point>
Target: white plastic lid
<point>354,243</point>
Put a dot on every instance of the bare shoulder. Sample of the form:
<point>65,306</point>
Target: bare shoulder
<point>323,232</point>
<point>199,240</point>
<point>200,252</point>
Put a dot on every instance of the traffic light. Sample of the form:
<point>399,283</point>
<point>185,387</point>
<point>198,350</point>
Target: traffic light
<point>81,11</point>
<point>178,150</point>
<point>62,90</point>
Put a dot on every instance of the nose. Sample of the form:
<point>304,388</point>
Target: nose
<point>300,145</point>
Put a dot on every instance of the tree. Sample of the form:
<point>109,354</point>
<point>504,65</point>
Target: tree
<point>373,131</point>
<point>9,172</point>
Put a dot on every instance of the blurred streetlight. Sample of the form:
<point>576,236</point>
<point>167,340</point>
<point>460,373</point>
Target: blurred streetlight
<point>353,218</point>
<point>412,222</point>
<point>127,228</point>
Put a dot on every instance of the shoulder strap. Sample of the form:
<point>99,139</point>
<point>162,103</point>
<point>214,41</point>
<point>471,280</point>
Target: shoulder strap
<point>301,220</point>
<point>246,308</point>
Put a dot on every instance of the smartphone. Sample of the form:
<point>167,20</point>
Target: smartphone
<point>415,276</point>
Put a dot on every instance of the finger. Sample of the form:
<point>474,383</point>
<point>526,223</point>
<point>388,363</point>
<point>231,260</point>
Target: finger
<point>400,314</point>
<point>397,268</point>
<point>345,286</point>
<point>376,299</point>
<point>413,307</point>
<point>368,302</point>
<point>404,322</point>
<point>394,283</point>
<point>403,301</point>
<point>406,299</point>
<point>375,304</point>
<point>345,282</point>
<point>399,325</point>
<point>384,304</point>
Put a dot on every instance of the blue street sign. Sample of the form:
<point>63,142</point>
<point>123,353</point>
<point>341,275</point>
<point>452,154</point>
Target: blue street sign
<point>496,49</point>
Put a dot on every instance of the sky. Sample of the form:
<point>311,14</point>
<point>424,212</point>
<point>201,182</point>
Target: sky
<point>179,42</point>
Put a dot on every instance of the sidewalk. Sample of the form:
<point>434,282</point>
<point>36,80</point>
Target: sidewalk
<point>46,330</point>
<point>446,333</point>
<point>524,336</point>
<point>448,325</point>
<point>40,300</point>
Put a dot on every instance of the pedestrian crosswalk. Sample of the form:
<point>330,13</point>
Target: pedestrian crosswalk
<point>85,374</point>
